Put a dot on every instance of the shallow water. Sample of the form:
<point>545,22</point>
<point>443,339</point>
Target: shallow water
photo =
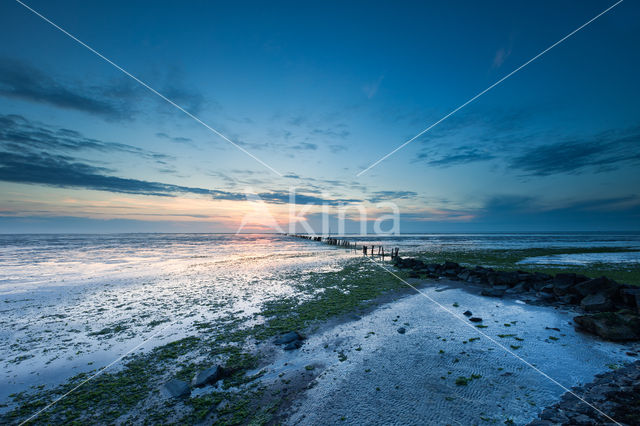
<point>584,259</point>
<point>70,303</point>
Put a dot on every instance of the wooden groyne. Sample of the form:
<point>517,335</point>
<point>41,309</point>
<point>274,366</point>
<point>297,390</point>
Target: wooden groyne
<point>371,250</point>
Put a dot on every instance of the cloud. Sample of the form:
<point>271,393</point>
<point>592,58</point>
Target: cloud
<point>305,146</point>
<point>379,196</point>
<point>110,100</point>
<point>501,55</point>
<point>22,81</point>
<point>339,131</point>
<point>33,153</point>
<point>18,134</point>
<point>371,89</point>
<point>603,152</point>
<point>336,148</point>
<point>178,139</point>
<point>460,155</point>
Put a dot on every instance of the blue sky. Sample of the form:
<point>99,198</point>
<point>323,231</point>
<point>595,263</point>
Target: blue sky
<point>319,91</point>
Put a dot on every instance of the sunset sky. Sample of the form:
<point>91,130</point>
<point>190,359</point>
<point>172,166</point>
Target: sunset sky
<point>318,92</point>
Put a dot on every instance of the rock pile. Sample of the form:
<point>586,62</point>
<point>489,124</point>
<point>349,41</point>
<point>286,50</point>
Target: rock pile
<point>616,393</point>
<point>612,309</point>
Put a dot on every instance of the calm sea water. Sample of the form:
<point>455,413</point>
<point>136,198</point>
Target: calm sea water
<point>59,293</point>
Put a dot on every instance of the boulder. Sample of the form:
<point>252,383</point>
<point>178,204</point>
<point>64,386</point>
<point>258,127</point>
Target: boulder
<point>493,292</point>
<point>176,389</point>
<point>521,287</point>
<point>296,344</point>
<point>596,285</point>
<point>538,284</point>
<point>288,338</point>
<point>208,376</point>
<point>570,299</point>
<point>631,297</point>
<point>598,302</point>
<point>475,319</point>
<point>564,279</point>
<point>615,326</point>
<point>467,313</point>
<point>564,285</point>
<point>402,330</point>
<point>451,265</point>
<point>464,275</point>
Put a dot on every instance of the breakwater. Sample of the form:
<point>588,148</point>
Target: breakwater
<point>367,250</point>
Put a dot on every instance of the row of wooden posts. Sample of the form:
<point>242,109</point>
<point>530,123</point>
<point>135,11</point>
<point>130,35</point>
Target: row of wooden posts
<point>366,250</point>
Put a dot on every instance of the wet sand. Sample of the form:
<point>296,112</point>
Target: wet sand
<point>363,371</point>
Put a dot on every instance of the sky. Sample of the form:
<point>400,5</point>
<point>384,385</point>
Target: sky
<point>306,95</point>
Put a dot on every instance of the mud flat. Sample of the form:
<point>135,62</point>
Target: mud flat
<point>411,361</point>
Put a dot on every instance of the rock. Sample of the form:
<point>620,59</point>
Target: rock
<point>631,297</point>
<point>464,275</point>
<point>176,389</point>
<point>208,376</point>
<point>475,319</point>
<point>493,292</point>
<point>543,295</point>
<point>596,285</point>
<point>571,299</point>
<point>615,326</point>
<point>521,287</point>
<point>451,265</point>
<point>433,267</point>
<point>467,313</point>
<point>565,279</point>
<point>296,344</point>
<point>402,330</point>
<point>538,285</point>
<point>288,338</point>
<point>503,278</point>
<point>598,302</point>
<point>563,286</point>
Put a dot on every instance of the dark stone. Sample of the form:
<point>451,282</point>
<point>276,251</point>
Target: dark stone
<point>451,265</point>
<point>402,330</point>
<point>538,284</point>
<point>598,302</point>
<point>563,286</point>
<point>208,376</point>
<point>548,288</point>
<point>615,326</point>
<point>176,389</point>
<point>631,297</point>
<point>570,299</point>
<point>475,319</point>
<point>596,285</point>
<point>464,275</point>
<point>288,338</point>
<point>521,287</point>
<point>296,344</point>
<point>493,292</point>
<point>467,313</point>
<point>565,279</point>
